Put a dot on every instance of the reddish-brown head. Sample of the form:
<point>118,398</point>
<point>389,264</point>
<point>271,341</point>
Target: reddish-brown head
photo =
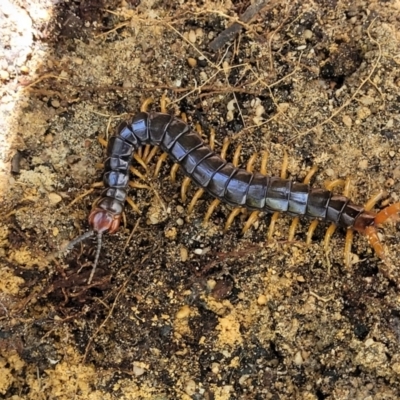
<point>103,221</point>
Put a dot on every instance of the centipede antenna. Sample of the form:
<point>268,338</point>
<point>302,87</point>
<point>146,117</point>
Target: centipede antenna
<point>79,239</point>
<point>96,259</point>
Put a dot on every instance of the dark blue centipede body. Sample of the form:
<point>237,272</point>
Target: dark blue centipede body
<point>219,178</point>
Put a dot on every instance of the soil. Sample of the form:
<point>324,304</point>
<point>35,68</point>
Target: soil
<point>179,309</point>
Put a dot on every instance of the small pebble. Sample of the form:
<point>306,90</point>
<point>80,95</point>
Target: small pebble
<point>211,283</point>
<point>389,183</point>
<point>199,32</point>
<point>171,233</point>
<point>54,198</point>
<point>184,254</point>
<point>192,36</point>
<point>307,34</point>
<point>330,172</point>
<point>298,359</point>
<point>230,116</point>
<point>127,84</point>
<point>190,387</point>
<point>201,251</point>
<point>262,300</point>
<point>215,368</point>
<point>138,371</point>
<point>203,76</point>
<point>363,164</point>
<point>363,112</point>
<point>202,62</point>
<point>231,105</point>
<point>180,221</point>
<point>4,75</point>
<point>259,110</point>
<point>192,62</point>
<point>55,103</point>
<point>184,312</point>
<point>347,121</point>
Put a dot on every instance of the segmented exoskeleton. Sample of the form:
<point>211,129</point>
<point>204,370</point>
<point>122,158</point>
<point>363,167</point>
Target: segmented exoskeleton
<point>220,179</point>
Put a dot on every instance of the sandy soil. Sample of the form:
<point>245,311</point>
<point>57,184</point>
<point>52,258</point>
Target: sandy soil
<point>178,310</point>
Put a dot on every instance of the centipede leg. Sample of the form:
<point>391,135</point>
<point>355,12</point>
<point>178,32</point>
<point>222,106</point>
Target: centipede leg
<point>102,141</point>
<point>254,215</point>
<point>174,170</point>
<point>138,185</point>
<point>81,196</point>
<point>237,210</point>
<point>151,155</point>
<point>332,228</point>
<point>215,203</point>
<point>234,213</point>
<point>186,182</point>
<point>161,159</point>
<point>275,215</point>
<point>144,151</point>
<point>176,167</point>
<point>211,208</point>
<point>133,205</point>
<point>387,213</point>
<point>137,173</point>
<point>296,220</point>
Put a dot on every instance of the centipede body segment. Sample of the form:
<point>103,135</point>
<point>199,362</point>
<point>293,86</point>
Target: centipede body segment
<point>241,188</point>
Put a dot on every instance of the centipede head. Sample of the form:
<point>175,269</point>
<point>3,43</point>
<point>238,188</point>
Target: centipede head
<point>104,221</point>
<point>101,221</point>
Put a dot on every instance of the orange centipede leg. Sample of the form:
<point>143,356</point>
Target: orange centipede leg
<point>211,208</point>
<point>199,193</point>
<point>143,151</point>
<point>216,202</point>
<point>237,210</point>
<point>254,215</point>
<point>175,167</point>
<point>234,213</point>
<point>160,161</point>
<point>387,213</point>
<point>296,220</point>
<point>184,188</point>
<point>194,200</point>
<point>276,214</point>
<point>332,227</point>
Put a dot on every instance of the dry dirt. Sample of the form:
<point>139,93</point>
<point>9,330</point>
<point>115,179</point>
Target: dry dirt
<point>178,310</point>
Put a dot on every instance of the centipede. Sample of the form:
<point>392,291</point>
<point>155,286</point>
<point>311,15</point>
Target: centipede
<point>241,188</point>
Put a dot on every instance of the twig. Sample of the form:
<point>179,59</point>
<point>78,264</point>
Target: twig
<point>231,32</point>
